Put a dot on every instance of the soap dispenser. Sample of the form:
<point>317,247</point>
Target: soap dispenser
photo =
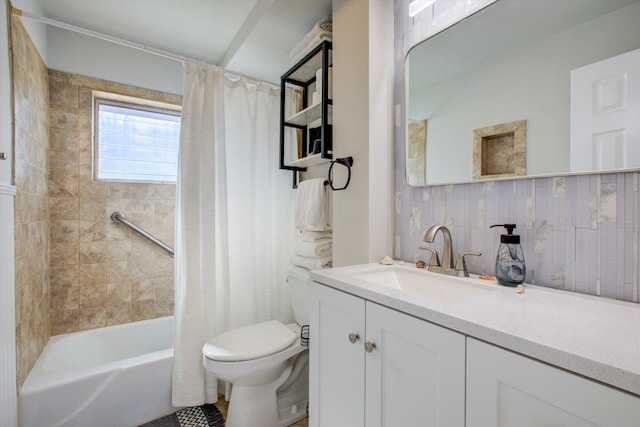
<point>510,267</point>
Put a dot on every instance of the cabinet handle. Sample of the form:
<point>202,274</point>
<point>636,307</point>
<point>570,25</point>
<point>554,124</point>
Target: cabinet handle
<point>369,346</point>
<point>353,337</point>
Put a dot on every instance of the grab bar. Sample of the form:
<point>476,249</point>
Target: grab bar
<point>119,218</point>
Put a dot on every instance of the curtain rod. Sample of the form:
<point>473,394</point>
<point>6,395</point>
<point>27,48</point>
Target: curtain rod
<point>125,42</point>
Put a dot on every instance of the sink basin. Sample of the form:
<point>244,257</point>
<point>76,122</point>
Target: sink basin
<point>430,285</point>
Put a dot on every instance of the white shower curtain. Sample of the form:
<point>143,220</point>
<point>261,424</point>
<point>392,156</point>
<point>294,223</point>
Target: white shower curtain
<point>234,229</point>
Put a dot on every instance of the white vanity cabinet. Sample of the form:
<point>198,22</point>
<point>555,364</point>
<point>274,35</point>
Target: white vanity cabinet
<point>510,390</point>
<point>496,358</point>
<point>374,366</point>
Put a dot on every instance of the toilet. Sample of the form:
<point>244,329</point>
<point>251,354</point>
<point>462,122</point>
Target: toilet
<point>266,365</point>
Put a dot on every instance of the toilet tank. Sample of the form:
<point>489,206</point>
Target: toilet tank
<point>298,279</point>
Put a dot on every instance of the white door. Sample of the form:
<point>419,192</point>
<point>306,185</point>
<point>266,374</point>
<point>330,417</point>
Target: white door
<point>415,375</point>
<point>508,390</point>
<point>605,114</point>
<point>336,364</point>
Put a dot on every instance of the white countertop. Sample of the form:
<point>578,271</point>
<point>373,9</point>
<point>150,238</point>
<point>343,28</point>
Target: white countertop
<point>592,336</point>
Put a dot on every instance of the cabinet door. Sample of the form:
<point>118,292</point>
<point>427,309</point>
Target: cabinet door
<point>336,366</point>
<point>415,376</point>
<point>510,390</point>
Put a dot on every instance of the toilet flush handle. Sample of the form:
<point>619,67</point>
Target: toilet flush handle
<point>353,337</point>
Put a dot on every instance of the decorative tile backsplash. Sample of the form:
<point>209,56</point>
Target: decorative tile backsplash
<point>579,232</point>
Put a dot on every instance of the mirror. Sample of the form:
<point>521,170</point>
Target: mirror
<point>490,96</point>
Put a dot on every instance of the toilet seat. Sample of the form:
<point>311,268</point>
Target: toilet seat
<point>250,342</point>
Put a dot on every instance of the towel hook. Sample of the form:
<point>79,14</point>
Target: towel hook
<point>344,161</point>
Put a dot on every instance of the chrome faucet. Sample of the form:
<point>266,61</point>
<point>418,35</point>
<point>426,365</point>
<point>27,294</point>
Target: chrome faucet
<point>447,248</point>
<point>447,266</point>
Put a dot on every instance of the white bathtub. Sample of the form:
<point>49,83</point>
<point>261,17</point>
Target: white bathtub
<point>117,376</point>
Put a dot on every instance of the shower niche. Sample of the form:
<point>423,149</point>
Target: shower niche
<point>499,151</point>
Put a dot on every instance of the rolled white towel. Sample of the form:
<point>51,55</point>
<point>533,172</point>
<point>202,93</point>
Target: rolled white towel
<point>310,45</point>
<point>315,236</point>
<point>323,26</point>
<point>321,248</point>
<point>312,263</point>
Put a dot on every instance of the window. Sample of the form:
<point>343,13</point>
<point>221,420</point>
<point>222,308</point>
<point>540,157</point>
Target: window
<point>135,140</point>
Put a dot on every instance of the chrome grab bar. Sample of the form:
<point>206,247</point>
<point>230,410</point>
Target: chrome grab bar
<point>119,218</point>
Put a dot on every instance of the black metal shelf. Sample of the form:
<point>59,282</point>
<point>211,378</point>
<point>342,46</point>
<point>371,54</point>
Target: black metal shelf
<point>313,118</point>
<point>309,115</point>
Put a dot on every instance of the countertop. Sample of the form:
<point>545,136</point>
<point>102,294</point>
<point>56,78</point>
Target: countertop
<point>596,337</point>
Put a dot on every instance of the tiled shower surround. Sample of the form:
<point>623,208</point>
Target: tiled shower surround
<point>102,273</point>
<point>75,268</point>
<point>579,232</point>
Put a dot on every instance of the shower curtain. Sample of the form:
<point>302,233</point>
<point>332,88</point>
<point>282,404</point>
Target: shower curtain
<point>234,220</point>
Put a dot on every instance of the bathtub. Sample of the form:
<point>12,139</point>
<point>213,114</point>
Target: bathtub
<point>116,376</point>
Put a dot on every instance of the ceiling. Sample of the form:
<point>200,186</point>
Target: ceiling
<point>253,37</point>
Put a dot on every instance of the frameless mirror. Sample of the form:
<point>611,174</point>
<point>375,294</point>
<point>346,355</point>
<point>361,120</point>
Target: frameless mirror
<point>524,88</point>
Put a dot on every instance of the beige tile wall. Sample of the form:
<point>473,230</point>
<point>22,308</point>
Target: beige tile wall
<point>101,273</point>
<point>75,269</point>
<point>31,104</point>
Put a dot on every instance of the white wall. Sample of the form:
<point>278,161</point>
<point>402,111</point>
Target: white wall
<point>68,51</point>
<point>363,128</point>
<point>381,129</point>
<point>351,130</point>
<point>8,392</point>
<point>76,53</point>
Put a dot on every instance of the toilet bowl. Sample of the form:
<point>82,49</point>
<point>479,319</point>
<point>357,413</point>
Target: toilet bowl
<point>266,365</point>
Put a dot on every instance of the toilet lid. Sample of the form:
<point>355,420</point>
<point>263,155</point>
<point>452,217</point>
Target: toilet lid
<point>250,342</point>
